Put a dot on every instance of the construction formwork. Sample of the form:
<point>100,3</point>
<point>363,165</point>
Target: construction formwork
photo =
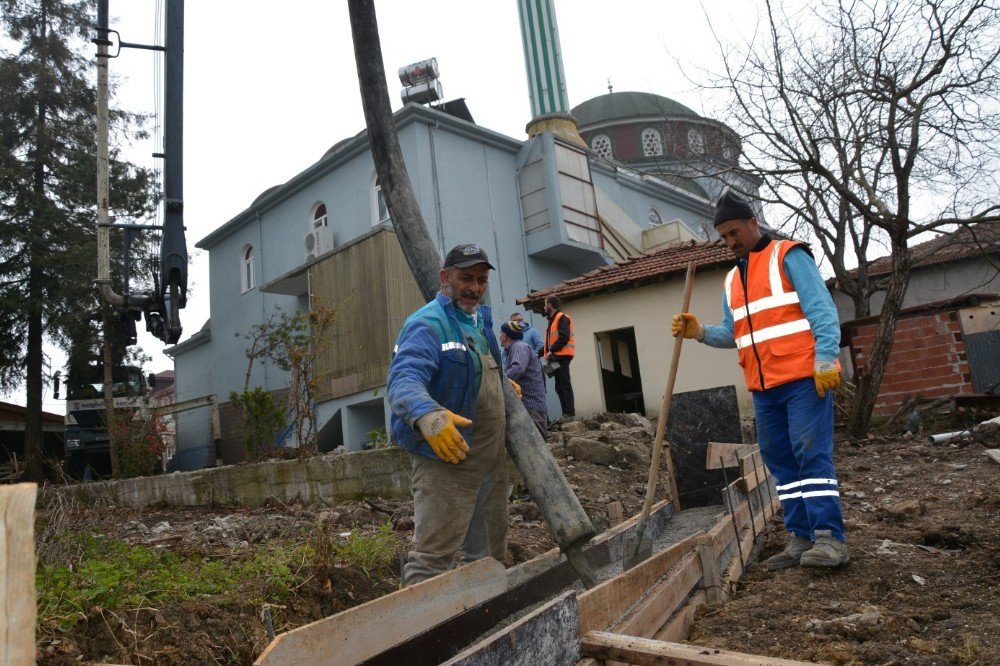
<point>534,613</point>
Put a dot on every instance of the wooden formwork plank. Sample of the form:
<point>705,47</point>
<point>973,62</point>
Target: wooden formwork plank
<point>663,599</point>
<point>369,629</point>
<point>718,454</point>
<point>711,580</point>
<point>679,626</point>
<point>644,651</point>
<point>17,573</point>
<point>603,605</point>
<point>549,635</point>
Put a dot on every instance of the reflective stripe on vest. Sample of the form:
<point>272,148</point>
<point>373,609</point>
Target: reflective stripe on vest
<point>552,336</point>
<point>768,322</point>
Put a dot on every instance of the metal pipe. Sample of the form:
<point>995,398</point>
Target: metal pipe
<point>946,436</point>
<point>103,236</point>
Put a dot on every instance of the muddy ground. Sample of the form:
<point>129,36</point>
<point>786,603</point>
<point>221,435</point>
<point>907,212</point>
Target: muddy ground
<point>921,587</point>
<point>923,583</point>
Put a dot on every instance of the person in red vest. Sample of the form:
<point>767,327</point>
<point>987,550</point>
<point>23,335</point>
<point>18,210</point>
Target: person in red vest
<point>780,316</point>
<point>559,349</point>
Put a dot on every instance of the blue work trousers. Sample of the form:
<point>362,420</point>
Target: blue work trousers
<point>795,431</point>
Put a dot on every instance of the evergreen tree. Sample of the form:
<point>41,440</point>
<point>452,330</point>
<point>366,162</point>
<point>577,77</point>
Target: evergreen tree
<point>48,260</point>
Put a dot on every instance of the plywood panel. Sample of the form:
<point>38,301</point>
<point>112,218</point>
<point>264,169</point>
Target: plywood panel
<point>373,290</point>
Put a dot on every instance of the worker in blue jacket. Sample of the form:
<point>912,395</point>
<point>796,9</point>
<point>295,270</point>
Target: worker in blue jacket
<point>445,390</point>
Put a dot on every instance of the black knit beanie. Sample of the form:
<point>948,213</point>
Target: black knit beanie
<point>731,207</point>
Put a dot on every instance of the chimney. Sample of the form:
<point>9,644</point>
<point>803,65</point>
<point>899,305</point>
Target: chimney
<point>543,64</point>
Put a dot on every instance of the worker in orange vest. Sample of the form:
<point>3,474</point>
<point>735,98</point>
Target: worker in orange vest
<point>780,316</point>
<point>559,349</point>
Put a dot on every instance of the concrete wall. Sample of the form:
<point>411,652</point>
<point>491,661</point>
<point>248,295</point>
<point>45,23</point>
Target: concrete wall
<point>649,310</point>
<point>382,473</point>
<point>195,447</point>
<point>934,283</point>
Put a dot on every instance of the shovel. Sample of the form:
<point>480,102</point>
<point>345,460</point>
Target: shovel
<point>639,547</point>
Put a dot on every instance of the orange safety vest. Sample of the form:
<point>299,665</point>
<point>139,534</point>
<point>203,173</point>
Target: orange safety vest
<point>772,334</point>
<point>552,335</point>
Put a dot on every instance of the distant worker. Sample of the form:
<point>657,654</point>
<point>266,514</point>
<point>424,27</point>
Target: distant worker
<point>531,334</point>
<point>778,313</point>
<point>445,391</point>
<point>560,346</point>
<point>522,366</point>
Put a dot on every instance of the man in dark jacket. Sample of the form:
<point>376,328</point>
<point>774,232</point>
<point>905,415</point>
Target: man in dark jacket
<point>560,347</point>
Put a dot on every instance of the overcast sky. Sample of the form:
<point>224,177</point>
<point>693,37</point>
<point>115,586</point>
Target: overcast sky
<point>269,87</point>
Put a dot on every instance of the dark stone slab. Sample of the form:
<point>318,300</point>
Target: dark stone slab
<point>697,418</point>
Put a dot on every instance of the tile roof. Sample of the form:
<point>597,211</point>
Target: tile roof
<point>966,242</point>
<point>644,269</point>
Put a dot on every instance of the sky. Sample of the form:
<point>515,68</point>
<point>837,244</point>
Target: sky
<point>269,87</point>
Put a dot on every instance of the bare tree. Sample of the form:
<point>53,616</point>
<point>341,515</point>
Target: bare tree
<point>871,122</point>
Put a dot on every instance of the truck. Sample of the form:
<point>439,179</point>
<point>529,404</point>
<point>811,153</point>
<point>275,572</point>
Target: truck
<point>88,445</point>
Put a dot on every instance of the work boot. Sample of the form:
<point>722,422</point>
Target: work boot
<point>790,556</point>
<point>828,552</point>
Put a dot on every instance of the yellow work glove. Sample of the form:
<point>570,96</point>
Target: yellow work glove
<point>827,376</point>
<point>516,387</point>
<point>440,429</point>
<point>688,325</point>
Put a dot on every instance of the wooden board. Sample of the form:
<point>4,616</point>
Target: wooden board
<point>679,626</point>
<point>994,454</point>
<point>643,651</point>
<point>663,600</point>
<point>364,631</point>
<point>729,454</point>
<point>603,605</point>
<point>549,635</point>
<point>17,573</point>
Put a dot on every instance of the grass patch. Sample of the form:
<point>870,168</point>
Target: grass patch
<point>369,552</point>
<point>111,574</point>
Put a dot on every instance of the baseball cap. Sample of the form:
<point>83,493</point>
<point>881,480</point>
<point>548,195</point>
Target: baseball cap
<point>465,255</point>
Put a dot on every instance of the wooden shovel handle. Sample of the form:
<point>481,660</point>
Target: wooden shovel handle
<point>661,424</point>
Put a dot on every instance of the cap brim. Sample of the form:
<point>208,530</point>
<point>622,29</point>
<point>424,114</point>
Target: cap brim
<point>471,262</point>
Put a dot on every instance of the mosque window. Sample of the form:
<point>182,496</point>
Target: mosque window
<point>319,218</point>
<point>601,144</point>
<point>654,218</point>
<point>729,153</point>
<point>380,208</point>
<point>696,141</point>
<point>652,143</point>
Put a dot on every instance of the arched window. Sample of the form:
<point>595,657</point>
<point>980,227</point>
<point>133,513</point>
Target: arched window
<point>654,218</point>
<point>247,279</point>
<point>696,141</point>
<point>380,210</point>
<point>652,143</point>
<point>319,218</point>
<point>601,144</point>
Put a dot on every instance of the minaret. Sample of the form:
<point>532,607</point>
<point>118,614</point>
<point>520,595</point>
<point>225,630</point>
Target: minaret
<point>543,63</point>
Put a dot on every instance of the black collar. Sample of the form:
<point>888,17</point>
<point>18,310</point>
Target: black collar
<point>765,239</point>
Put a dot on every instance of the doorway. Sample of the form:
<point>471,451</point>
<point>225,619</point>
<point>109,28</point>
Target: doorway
<point>619,361</point>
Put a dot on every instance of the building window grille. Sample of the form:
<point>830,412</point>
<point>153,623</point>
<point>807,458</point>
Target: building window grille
<point>601,144</point>
<point>654,218</point>
<point>652,143</point>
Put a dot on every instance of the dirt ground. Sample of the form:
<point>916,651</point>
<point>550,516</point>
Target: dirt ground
<point>921,587</point>
<point>923,583</point>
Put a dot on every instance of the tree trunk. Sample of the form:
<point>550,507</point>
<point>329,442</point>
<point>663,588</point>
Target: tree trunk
<point>870,380</point>
<point>33,434</point>
<point>418,248</point>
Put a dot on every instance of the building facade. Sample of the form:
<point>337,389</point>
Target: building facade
<point>544,209</point>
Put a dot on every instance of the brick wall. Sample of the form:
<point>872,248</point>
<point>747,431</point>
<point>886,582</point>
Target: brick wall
<point>928,358</point>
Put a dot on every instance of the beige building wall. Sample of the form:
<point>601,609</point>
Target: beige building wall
<point>649,310</point>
